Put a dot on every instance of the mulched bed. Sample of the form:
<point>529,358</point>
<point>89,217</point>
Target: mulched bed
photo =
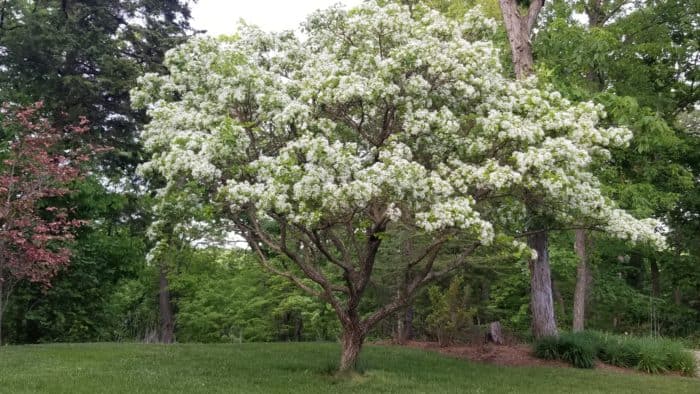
<point>512,355</point>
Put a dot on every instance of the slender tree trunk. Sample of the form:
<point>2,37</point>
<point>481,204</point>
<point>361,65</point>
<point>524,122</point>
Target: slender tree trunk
<point>167,324</point>
<point>677,295</point>
<point>351,341</point>
<point>582,280</point>
<point>655,278</point>
<point>637,275</point>
<point>541,302</point>
<point>298,328</point>
<point>556,295</point>
<point>2,307</point>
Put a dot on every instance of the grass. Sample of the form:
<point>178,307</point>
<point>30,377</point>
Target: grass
<point>291,367</point>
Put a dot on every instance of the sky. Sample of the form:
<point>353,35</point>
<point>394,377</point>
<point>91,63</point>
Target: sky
<point>221,16</point>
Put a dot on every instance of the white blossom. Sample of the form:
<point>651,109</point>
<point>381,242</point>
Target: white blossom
<point>377,111</point>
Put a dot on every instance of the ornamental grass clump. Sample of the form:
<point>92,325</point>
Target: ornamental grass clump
<point>619,351</point>
<point>547,348</point>
<point>578,350</point>
<point>651,355</point>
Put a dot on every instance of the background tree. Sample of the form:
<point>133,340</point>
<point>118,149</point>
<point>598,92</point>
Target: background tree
<point>35,172</point>
<point>83,57</point>
<point>650,81</point>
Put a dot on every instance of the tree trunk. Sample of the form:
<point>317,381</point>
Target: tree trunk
<point>405,326</point>
<point>677,295</point>
<point>556,295</point>
<point>636,276</point>
<point>167,324</point>
<point>2,307</point>
<point>520,46</point>
<point>541,303</point>
<point>298,327</point>
<point>655,282</point>
<point>518,29</point>
<point>495,334</point>
<point>582,281</point>
<point>351,341</point>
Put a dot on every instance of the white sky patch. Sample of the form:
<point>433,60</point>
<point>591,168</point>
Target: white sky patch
<point>221,16</point>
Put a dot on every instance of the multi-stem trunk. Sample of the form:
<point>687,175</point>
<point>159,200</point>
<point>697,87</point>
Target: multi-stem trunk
<point>582,280</point>
<point>541,302</point>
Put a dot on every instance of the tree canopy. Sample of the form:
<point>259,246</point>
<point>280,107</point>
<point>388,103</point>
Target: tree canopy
<point>381,117</point>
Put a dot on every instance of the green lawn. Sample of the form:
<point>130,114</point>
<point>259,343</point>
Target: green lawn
<point>290,367</point>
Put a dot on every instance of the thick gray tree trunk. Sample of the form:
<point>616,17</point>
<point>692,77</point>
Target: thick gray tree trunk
<point>541,302</point>
<point>167,321</point>
<point>519,29</point>
<point>583,279</point>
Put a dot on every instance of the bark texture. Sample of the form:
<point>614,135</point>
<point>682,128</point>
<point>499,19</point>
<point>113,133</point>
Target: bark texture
<point>541,302</point>
<point>351,342</point>
<point>496,333</point>
<point>519,29</point>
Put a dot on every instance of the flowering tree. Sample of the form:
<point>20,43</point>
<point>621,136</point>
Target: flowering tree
<point>382,119</point>
<point>33,231</point>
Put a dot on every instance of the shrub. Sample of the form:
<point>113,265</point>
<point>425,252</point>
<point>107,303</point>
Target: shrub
<point>547,348</point>
<point>578,350</point>
<point>451,314</point>
<point>683,362</point>
<point>677,358</point>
